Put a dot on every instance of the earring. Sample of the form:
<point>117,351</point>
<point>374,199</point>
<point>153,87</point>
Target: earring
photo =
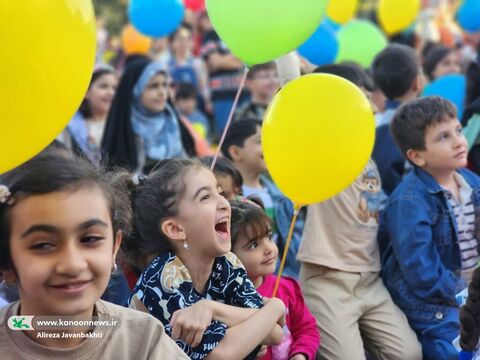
<point>114,268</point>
<point>185,244</point>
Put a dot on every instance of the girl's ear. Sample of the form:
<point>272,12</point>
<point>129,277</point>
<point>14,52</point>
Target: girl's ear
<point>173,230</point>
<point>117,243</point>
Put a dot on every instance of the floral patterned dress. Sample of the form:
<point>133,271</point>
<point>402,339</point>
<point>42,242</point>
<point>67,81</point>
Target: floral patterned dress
<point>166,286</point>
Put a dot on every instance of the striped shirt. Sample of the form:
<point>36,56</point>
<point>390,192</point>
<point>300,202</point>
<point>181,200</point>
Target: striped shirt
<point>464,211</point>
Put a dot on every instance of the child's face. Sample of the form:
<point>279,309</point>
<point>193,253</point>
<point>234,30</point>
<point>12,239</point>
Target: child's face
<point>448,65</point>
<point>63,251</point>
<point>226,182</point>
<point>446,148</point>
<point>155,95</point>
<point>186,106</point>
<point>251,154</point>
<point>182,42</point>
<point>101,93</point>
<point>204,215</point>
<point>259,256</point>
<point>264,84</point>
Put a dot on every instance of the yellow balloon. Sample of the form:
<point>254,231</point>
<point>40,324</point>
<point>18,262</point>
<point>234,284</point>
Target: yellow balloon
<point>397,15</point>
<point>47,55</point>
<point>341,11</point>
<point>317,137</point>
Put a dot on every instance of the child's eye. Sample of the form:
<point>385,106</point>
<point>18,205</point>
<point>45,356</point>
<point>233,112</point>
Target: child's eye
<point>42,246</point>
<point>91,239</point>
<point>443,137</point>
<point>205,197</point>
<point>223,193</point>
<point>270,235</point>
<point>253,245</point>
<point>459,131</point>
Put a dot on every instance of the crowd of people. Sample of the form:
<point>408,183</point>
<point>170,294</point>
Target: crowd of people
<point>121,217</point>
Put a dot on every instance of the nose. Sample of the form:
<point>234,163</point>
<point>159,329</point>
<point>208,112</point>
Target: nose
<point>70,260</point>
<point>460,140</point>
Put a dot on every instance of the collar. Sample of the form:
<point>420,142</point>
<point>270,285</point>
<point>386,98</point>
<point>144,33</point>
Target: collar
<point>392,104</point>
<point>465,190</point>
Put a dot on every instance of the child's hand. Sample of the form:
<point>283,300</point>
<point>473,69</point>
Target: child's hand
<point>279,303</point>
<point>298,357</point>
<point>190,323</point>
<point>262,352</point>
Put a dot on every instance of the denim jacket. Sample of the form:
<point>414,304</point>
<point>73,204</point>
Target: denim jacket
<point>283,217</point>
<point>421,264</point>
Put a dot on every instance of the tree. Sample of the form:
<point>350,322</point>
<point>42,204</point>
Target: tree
<point>113,12</point>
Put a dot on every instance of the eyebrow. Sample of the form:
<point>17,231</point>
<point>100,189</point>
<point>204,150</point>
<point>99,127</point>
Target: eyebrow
<point>53,229</point>
<point>207,188</point>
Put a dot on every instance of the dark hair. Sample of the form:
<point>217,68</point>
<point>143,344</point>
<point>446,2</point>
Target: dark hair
<point>433,55</point>
<point>470,315</point>
<point>85,108</point>
<point>182,26</point>
<point>349,71</point>
<point>155,199</point>
<point>473,82</point>
<point>239,131</point>
<point>395,69</point>
<point>56,170</point>
<point>248,219</point>
<point>260,67</point>
<point>224,166</point>
<point>412,119</point>
<point>185,91</point>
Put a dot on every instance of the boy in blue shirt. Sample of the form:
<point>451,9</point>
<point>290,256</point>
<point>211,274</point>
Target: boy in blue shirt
<point>429,223</point>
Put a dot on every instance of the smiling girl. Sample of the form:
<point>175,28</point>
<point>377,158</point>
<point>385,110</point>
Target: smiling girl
<point>192,283</point>
<point>61,225</point>
<point>252,243</point>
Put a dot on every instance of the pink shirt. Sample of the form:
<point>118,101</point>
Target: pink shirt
<point>301,333</point>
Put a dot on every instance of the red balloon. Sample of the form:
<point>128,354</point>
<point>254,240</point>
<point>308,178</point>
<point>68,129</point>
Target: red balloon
<point>195,5</point>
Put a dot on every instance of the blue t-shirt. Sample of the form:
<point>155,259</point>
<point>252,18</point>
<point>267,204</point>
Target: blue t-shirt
<point>166,286</point>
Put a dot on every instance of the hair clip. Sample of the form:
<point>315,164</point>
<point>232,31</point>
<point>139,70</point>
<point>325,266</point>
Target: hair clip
<point>247,201</point>
<point>5,195</point>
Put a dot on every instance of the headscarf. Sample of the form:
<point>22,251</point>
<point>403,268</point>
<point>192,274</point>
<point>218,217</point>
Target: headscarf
<point>160,132</point>
<point>119,145</point>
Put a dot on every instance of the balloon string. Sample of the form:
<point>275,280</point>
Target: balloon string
<point>285,251</point>
<point>230,117</point>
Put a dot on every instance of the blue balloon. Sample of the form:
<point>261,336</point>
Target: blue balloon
<point>333,25</point>
<point>469,15</point>
<point>451,87</point>
<point>322,47</point>
<point>156,18</point>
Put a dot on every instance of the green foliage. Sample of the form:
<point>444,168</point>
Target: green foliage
<point>113,12</point>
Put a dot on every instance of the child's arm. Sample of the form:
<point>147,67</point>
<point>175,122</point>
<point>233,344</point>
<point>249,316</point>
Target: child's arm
<point>240,340</point>
<point>189,324</point>
<point>303,326</point>
<point>410,229</point>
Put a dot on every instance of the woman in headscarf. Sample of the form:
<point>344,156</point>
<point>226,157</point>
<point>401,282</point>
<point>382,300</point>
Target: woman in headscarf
<point>85,131</point>
<point>142,126</point>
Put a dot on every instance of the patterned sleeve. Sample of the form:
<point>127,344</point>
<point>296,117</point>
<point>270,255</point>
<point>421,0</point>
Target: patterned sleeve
<point>163,294</point>
<point>238,290</point>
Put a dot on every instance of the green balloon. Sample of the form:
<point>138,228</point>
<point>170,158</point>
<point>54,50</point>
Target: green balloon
<point>259,31</point>
<point>360,41</point>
